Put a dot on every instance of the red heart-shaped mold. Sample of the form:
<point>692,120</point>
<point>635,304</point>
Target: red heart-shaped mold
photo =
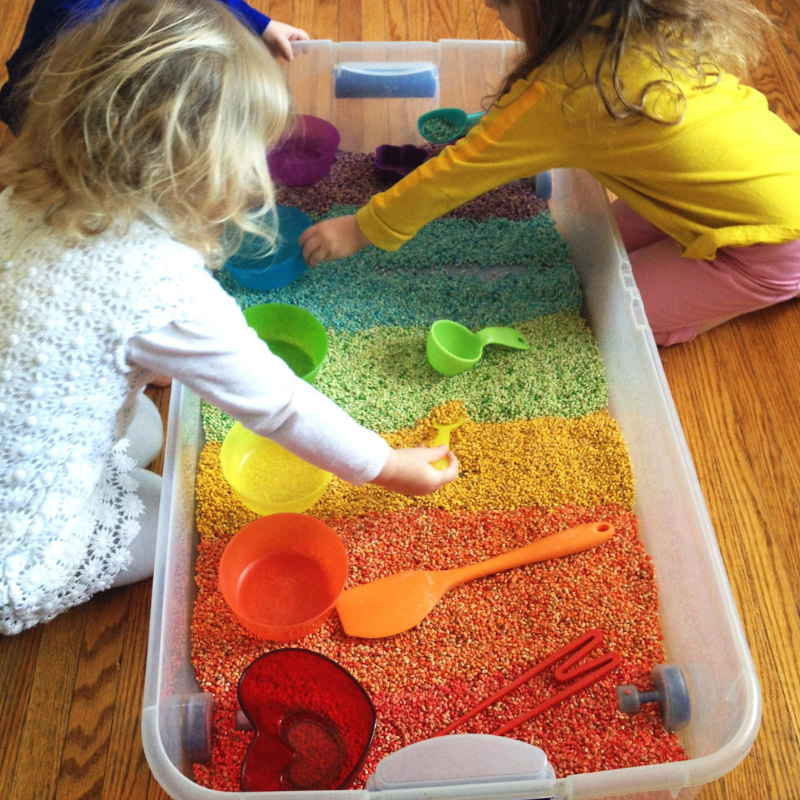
<point>314,722</point>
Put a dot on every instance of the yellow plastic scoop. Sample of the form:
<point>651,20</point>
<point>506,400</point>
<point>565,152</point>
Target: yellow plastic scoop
<point>394,604</point>
<point>443,437</point>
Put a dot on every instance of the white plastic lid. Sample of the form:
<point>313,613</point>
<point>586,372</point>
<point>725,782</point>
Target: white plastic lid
<point>460,759</point>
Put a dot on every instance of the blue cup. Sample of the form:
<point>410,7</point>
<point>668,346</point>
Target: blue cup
<point>254,269</point>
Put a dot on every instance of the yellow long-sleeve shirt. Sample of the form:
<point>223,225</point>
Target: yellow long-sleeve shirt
<point>728,174</point>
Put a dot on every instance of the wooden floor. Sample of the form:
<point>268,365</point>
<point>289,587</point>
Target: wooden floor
<point>71,691</point>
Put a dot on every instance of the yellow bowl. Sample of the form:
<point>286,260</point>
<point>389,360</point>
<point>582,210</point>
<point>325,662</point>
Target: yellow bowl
<point>267,478</point>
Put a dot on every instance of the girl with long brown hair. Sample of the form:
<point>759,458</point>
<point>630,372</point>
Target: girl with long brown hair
<point>643,94</point>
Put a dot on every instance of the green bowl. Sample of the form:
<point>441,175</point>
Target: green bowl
<point>293,334</point>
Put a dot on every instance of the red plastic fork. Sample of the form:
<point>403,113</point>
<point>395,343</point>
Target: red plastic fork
<point>583,675</point>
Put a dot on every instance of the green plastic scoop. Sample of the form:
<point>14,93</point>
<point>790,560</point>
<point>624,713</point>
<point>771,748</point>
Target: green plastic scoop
<point>452,348</point>
<point>445,124</point>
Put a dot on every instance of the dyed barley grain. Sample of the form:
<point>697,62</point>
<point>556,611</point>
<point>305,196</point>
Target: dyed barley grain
<point>440,129</point>
<point>477,638</point>
<point>485,633</point>
<point>353,181</point>
<point>382,377</point>
<point>478,273</point>
<point>540,462</point>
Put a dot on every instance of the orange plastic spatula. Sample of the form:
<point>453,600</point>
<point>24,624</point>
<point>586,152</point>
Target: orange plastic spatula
<point>394,604</point>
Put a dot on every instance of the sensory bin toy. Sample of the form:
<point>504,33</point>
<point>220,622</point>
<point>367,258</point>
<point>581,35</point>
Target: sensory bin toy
<point>305,154</point>
<point>257,267</point>
<point>293,334</point>
<point>393,604</point>
<point>314,723</point>
<point>446,124</point>
<point>538,453</point>
<point>282,574</point>
<point>452,348</point>
<point>574,674</point>
<point>443,432</point>
<point>267,478</point>
<point>393,162</point>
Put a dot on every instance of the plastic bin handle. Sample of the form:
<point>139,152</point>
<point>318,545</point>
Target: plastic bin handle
<point>355,79</point>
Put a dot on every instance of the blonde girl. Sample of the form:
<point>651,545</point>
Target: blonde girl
<point>643,95</point>
<point>144,137</point>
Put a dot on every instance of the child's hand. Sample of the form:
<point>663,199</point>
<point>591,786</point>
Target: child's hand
<point>331,239</point>
<point>279,37</point>
<point>409,471</point>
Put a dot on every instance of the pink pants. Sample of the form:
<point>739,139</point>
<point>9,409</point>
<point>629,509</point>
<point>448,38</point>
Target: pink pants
<point>685,296</point>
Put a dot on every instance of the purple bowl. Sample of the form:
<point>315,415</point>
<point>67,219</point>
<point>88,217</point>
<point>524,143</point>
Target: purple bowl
<point>306,153</point>
<point>393,162</point>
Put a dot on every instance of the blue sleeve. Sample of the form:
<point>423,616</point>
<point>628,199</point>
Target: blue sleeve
<point>255,19</point>
<point>47,17</point>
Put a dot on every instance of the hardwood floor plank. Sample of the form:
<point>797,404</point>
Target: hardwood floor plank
<point>303,17</point>
<point>18,655</point>
<point>786,16</point>
<point>488,23</point>
<point>83,764</point>
<point>453,19</point>
<point>778,76</point>
<point>418,20</point>
<point>373,20</point>
<point>326,20</point>
<point>283,10</point>
<point>43,732</point>
<point>161,399</point>
<point>349,21</point>
<point>15,15</point>
<point>127,774</point>
<point>397,22</point>
<point>155,792</point>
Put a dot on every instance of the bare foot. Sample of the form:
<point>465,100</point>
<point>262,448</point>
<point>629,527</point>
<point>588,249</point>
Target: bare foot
<point>161,381</point>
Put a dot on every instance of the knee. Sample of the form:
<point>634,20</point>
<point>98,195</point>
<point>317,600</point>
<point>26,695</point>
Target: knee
<point>146,432</point>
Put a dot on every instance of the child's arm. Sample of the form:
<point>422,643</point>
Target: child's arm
<point>221,359</point>
<point>518,138</point>
<point>278,36</point>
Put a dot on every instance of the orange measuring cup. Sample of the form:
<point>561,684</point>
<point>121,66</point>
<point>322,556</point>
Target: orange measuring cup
<point>282,574</point>
<point>398,602</point>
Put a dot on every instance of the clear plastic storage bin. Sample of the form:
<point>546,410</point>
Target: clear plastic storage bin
<point>702,631</point>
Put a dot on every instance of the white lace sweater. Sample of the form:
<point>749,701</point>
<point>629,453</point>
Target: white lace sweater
<point>82,329</point>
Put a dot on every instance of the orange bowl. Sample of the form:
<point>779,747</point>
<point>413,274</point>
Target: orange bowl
<point>281,575</point>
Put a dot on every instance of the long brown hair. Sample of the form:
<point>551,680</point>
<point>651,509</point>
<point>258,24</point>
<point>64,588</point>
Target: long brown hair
<point>696,37</point>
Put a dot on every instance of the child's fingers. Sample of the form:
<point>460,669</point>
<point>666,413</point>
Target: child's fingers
<point>309,242</point>
<point>314,252</point>
<point>450,472</point>
<point>284,45</point>
<point>435,453</point>
<point>306,235</point>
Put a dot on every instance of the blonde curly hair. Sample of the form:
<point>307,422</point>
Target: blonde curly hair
<point>161,108</point>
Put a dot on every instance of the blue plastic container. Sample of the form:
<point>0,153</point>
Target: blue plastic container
<point>256,270</point>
